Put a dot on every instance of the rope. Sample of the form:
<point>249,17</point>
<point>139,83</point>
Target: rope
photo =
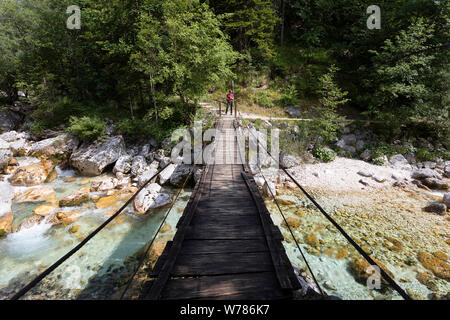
<point>36,280</point>
<point>141,261</point>
<point>290,230</point>
<point>342,231</point>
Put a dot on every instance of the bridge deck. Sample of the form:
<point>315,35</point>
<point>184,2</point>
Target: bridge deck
<point>226,245</point>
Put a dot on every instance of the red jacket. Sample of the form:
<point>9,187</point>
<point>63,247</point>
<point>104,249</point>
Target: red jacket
<point>230,97</point>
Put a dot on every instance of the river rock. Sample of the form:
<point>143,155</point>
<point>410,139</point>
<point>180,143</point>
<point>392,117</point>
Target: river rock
<point>399,162</point>
<point>45,209</point>
<point>446,199</point>
<point>269,189</point>
<point>20,147</point>
<point>138,166</point>
<point>366,155</point>
<point>91,160</point>
<point>422,174</point>
<point>288,161</point>
<point>6,215</point>
<point>365,173</point>
<point>5,157</point>
<point>349,139</point>
<point>33,174</point>
<point>379,179</point>
<point>39,194</point>
<point>12,136</point>
<point>54,147</point>
<point>447,171</point>
<point>180,174</point>
<point>76,198</point>
<point>123,164</point>
<point>439,267</point>
<point>147,175</point>
<point>66,217</point>
<point>293,111</point>
<point>165,175</point>
<point>104,184</point>
<point>151,197</point>
<point>30,222</point>
<point>435,184</point>
<point>436,207</point>
<point>9,120</point>
<point>107,202</point>
<point>361,271</point>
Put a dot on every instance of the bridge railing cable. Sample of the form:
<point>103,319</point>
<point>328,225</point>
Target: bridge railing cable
<point>55,265</point>
<point>142,259</point>
<point>287,224</point>
<point>383,273</point>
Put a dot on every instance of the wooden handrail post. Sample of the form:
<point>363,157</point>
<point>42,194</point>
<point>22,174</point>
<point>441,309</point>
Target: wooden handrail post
<point>220,109</point>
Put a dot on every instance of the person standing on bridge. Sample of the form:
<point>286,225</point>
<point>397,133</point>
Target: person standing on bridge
<point>230,102</point>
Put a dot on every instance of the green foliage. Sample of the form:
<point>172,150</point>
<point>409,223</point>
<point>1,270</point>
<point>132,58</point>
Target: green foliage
<point>87,128</point>
<point>331,98</point>
<point>324,154</point>
<point>290,96</point>
<point>263,99</point>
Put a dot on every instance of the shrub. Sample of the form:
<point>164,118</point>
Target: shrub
<point>87,128</point>
<point>263,99</point>
<point>324,154</point>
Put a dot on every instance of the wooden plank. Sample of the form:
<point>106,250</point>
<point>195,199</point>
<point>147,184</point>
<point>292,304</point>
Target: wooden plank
<point>223,246</point>
<point>221,263</point>
<point>222,286</point>
<point>214,232</point>
<point>224,212</point>
<point>280,268</point>
<point>251,221</point>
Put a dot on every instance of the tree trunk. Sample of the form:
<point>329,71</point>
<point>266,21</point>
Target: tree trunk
<point>283,13</point>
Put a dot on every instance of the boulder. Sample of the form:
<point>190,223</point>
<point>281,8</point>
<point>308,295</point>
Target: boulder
<point>434,183</point>
<point>341,144</point>
<point>151,197</point>
<point>423,174</point>
<point>447,171</point>
<point>349,139</point>
<point>293,111</point>
<point>379,179</point>
<point>366,155</point>
<point>104,184</point>
<point>198,171</point>
<point>180,174</point>
<point>20,147</point>
<point>365,173</point>
<point>53,147</point>
<point>91,160</point>
<point>4,144</point>
<point>287,161</point>
<point>5,158</point>
<point>45,209</point>
<point>12,136</point>
<point>260,181</point>
<point>76,198</point>
<point>6,215</point>
<point>269,189</point>
<point>39,194</point>
<point>360,144</point>
<point>147,175</point>
<point>9,120</point>
<point>446,199</point>
<point>138,166</point>
<point>107,202</point>
<point>436,207</point>
<point>33,174</point>
<point>123,164</point>
<point>66,217</point>
<point>165,175</point>
<point>399,162</point>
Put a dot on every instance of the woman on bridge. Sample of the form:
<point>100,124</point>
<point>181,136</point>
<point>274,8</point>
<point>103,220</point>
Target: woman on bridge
<point>230,102</point>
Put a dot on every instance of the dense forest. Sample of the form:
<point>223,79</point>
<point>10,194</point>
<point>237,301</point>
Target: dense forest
<point>146,63</point>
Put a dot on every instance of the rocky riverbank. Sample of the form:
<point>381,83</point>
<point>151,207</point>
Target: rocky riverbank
<point>386,209</point>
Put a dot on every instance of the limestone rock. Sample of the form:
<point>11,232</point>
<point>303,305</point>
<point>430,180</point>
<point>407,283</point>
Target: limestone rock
<point>365,173</point>
<point>439,267</point>
<point>288,161</point>
<point>91,160</point>
<point>45,209</point>
<point>180,174</point>
<point>38,194</point>
<point>123,164</point>
<point>446,199</point>
<point>5,157</point>
<point>76,198</point>
<point>9,120</point>
<point>151,197</point>
<point>422,174</point>
<point>57,146</point>
<point>104,184</point>
<point>138,166</point>
<point>436,207</point>
<point>269,189</point>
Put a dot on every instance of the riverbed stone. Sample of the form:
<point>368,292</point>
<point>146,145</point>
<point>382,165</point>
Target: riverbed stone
<point>426,173</point>
<point>180,174</point>
<point>45,209</point>
<point>76,198</point>
<point>151,197</point>
<point>38,194</point>
<point>33,174</point>
<point>436,207</point>
<point>54,147</point>
<point>106,202</point>
<point>123,164</point>
<point>91,160</point>
<point>365,173</point>
<point>288,161</point>
<point>439,267</point>
<point>138,166</point>
<point>5,157</point>
<point>446,199</point>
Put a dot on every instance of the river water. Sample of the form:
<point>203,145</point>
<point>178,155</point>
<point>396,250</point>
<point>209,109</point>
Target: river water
<point>100,268</point>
